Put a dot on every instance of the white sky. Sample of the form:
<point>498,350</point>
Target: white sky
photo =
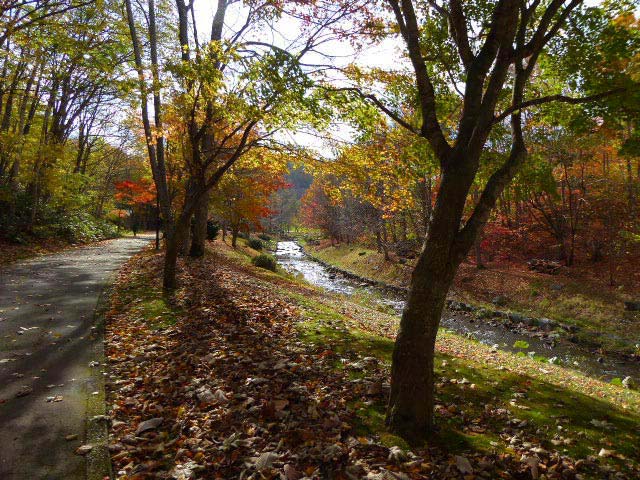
<point>386,55</point>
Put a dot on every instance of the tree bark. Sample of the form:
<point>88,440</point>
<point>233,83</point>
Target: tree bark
<point>199,234</point>
<point>410,408</point>
<point>184,239</point>
<point>170,261</point>
<point>234,236</point>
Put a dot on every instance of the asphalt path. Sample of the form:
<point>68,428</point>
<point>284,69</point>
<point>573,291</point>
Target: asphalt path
<point>51,355</point>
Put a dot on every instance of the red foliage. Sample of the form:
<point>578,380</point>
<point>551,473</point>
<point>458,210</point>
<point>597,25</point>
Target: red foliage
<point>136,194</point>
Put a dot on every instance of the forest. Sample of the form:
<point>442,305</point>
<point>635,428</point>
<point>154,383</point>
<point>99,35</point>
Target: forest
<point>359,239</point>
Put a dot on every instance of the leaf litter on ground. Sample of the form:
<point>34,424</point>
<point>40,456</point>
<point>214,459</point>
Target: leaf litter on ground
<point>230,390</point>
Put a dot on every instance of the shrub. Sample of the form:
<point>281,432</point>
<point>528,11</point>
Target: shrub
<point>265,237</point>
<point>212,230</point>
<point>255,244</point>
<point>79,227</point>
<point>265,261</point>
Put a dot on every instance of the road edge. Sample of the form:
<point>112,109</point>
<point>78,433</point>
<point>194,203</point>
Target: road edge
<point>98,460</point>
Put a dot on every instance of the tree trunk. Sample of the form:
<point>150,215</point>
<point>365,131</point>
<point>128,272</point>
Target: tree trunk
<point>174,236</point>
<point>199,234</point>
<point>411,402</point>
<point>410,409</point>
<point>184,240</point>
<point>234,237</point>
<point>170,261</point>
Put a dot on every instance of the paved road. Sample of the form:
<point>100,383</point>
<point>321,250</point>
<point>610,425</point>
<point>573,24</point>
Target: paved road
<point>48,342</point>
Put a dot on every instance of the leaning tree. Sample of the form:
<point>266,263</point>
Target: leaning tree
<point>232,90</point>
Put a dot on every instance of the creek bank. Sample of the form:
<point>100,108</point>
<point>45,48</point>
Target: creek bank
<point>507,318</point>
<point>365,282</point>
<point>553,340</point>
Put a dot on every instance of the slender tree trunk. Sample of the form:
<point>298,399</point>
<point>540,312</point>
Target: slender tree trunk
<point>199,234</point>
<point>170,260</point>
<point>381,239</point>
<point>184,239</point>
<point>234,237</point>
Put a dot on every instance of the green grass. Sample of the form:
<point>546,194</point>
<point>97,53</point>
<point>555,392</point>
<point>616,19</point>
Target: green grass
<point>149,303</point>
<point>544,405</point>
<point>596,309</point>
<point>362,261</point>
<point>545,396</point>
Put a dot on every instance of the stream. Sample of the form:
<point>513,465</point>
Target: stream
<point>292,258</point>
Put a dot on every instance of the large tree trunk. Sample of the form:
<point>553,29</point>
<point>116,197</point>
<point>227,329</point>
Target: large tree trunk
<point>199,233</point>
<point>410,409</point>
<point>411,402</point>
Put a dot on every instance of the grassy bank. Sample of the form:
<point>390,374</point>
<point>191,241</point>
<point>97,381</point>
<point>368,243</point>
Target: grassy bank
<point>494,409</point>
<point>596,309</point>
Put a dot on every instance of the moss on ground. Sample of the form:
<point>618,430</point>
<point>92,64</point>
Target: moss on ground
<point>148,302</point>
<point>551,410</point>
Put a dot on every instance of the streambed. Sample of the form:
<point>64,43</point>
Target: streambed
<point>292,258</point>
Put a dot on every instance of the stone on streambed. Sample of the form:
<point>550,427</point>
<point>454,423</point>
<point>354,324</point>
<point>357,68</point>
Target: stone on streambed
<point>569,328</point>
<point>518,318</point>
<point>633,306</point>
<point>547,324</point>
<point>629,383</point>
<point>460,306</point>
<point>483,313</point>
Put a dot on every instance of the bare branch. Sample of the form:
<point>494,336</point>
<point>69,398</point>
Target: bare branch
<point>369,96</point>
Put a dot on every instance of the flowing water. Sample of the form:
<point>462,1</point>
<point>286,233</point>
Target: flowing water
<point>292,258</point>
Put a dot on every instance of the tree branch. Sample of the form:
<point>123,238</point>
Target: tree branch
<point>431,129</point>
<point>556,98</point>
<point>458,25</point>
<point>369,96</point>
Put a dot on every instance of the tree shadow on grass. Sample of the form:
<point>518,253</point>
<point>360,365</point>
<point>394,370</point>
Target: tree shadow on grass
<point>288,390</point>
